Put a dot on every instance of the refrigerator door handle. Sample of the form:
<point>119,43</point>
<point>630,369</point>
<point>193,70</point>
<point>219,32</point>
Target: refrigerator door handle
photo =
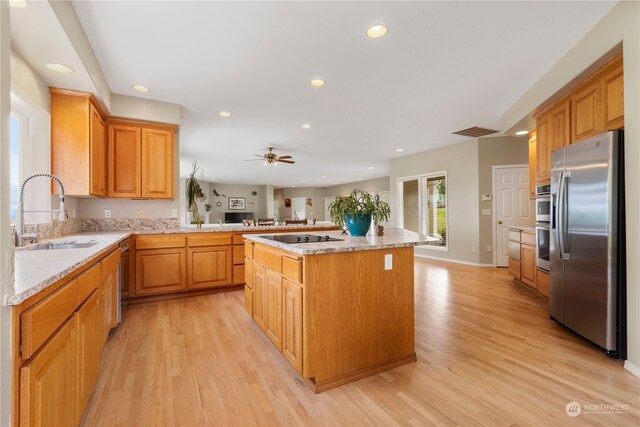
<point>562,214</point>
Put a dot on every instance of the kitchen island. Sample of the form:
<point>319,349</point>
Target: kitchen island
<point>339,308</point>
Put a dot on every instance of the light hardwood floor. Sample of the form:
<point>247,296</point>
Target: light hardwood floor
<point>487,355</point>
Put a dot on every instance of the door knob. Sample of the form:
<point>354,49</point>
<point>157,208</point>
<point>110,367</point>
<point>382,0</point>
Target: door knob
<point>499,222</point>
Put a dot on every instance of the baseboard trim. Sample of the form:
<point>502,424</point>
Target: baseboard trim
<point>632,368</point>
<point>455,261</point>
<point>320,386</point>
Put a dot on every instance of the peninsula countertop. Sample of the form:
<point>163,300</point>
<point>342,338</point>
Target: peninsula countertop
<point>393,238</point>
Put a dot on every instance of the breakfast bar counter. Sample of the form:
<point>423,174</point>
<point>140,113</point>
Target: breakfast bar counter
<point>338,308</point>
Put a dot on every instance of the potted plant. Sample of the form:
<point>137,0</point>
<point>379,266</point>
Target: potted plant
<point>357,210</point>
<point>194,192</point>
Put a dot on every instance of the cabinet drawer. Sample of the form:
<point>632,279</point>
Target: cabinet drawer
<point>238,274</point>
<point>514,268</point>
<point>514,250</point>
<point>160,242</point>
<point>514,235</point>
<point>88,281</point>
<point>238,239</point>
<point>238,254</point>
<point>248,250</point>
<point>41,320</point>
<point>528,239</point>
<point>110,264</point>
<point>248,300</point>
<point>543,282</point>
<point>271,260</point>
<point>292,269</point>
<point>210,239</point>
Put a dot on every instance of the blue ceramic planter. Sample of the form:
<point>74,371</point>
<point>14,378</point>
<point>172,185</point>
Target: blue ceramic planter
<point>358,225</point>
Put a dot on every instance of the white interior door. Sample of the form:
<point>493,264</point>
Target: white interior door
<point>298,210</point>
<point>327,202</point>
<point>512,207</point>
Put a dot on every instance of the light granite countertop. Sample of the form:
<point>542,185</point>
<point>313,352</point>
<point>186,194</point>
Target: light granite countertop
<point>525,229</point>
<point>35,270</point>
<point>393,238</point>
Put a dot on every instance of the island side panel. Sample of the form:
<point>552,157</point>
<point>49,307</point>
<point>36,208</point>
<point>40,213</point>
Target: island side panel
<point>357,315</point>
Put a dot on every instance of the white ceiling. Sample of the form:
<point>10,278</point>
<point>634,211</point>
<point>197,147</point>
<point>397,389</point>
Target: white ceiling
<point>443,66</point>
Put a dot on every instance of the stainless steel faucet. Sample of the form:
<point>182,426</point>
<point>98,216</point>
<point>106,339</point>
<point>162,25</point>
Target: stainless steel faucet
<point>21,235</point>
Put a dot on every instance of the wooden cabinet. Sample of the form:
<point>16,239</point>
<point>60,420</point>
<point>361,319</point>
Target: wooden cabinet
<point>141,159</point>
<point>124,161</point>
<point>595,106</point>
<point>273,315</point>
<point>90,342</point>
<point>585,112</point>
<point>613,96</point>
<point>542,279</point>
<point>78,151</point>
<point>109,269</point>
<point>48,382</point>
<point>160,271</point>
<point>514,268</point>
<point>532,164</point>
<point>292,323</point>
<point>209,267</point>
<point>259,295</point>
<point>543,150</point>
<point>126,273</point>
<point>528,265</point>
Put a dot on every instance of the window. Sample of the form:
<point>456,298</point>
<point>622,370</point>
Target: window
<point>423,206</point>
<point>16,135</point>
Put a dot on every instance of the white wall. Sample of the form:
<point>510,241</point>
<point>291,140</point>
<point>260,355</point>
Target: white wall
<point>460,161</point>
<point>253,203</point>
<point>621,24</point>
<point>6,251</point>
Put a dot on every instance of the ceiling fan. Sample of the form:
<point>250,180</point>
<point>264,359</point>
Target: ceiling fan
<point>271,158</point>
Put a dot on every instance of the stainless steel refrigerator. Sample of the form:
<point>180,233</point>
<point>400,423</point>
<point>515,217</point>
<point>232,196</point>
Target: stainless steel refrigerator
<point>587,241</point>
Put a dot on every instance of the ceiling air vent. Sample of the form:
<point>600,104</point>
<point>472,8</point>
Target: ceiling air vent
<point>475,132</point>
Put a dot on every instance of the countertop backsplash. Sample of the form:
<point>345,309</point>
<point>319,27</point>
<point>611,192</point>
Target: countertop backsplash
<point>55,229</point>
<point>129,224</point>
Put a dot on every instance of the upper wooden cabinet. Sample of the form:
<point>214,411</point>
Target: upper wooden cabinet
<point>533,167</point>
<point>595,106</point>
<point>141,159</point>
<point>78,151</point>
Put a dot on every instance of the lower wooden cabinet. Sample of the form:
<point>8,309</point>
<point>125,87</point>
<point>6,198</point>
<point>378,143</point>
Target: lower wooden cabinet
<point>209,267</point>
<point>48,384</point>
<point>542,278</point>
<point>514,268</point>
<point>292,323</point>
<point>273,316</point>
<point>125,275</point>
<point>160,271</point>
<point>91,328</point>
<point>259,295</point>
<point>528,265</point>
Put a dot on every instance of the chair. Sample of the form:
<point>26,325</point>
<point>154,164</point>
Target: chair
<point>265,221</point>
<point>295,222</point>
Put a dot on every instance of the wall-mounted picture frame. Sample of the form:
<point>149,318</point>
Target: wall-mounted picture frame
<point>237,203</point>
<point>287,203</point>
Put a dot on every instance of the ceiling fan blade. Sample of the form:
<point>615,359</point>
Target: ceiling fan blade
<point>259,155</point>
<point>284,157</point>
<point>285,161</point>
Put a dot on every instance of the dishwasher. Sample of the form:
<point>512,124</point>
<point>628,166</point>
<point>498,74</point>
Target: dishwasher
<point>123,272</point>
<point>514,245</point>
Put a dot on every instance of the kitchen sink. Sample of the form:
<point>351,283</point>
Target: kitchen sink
<point>62,245</point>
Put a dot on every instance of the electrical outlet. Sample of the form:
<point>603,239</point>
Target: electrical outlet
<point>107,213</point>
<point>141,213</point>
<point>174,213</point>
<point>489,248</point>
<point>473,248</point>
<point>388,261</point>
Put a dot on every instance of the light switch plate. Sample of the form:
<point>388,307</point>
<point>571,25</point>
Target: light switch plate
<point>486,197</point>
<point>388,261</point>
<point>486,211</point>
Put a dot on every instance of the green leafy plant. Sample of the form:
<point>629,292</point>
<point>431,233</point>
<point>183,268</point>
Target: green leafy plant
<point>193,192</point>
<point>358,203</point>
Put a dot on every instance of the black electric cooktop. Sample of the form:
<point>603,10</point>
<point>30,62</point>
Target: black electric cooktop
<point>301,238</point>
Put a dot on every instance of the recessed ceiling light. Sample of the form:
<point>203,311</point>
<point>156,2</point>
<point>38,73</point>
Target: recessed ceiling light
<point>522,132</point>
<point>59,68</point>
<point>293,186</point>
<point>306,126</point>
<point>225,114</point>
<point>19,4</point>
<point>317,82</point>
<point>324,176</point>
<point>376,31</point>
<point>359,179</point>
<point>399,150</point>
<point>213,179</point>
<point>140,88</point>
<point>371,167</point>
